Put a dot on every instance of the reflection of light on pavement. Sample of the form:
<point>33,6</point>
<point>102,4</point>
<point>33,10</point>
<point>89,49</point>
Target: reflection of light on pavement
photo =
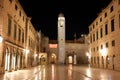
<point>36,77</point>
<point>88,72</point>
<point>87,79</point>
<point>70,72</point>
<point>40,75</point>
<point>11,76</point>
<point>35,70</point>
<point>43,73</point>
<point>6,76</point>
<point>53,69</point>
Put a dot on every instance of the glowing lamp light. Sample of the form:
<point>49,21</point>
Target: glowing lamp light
<point>103,51</point>
<point>1,39</point>
<point>88,55</point>
<point>35,55</point>
<point>26,51</point>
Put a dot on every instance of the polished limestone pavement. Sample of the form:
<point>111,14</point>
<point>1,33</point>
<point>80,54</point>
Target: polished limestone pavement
<point>61,72</point>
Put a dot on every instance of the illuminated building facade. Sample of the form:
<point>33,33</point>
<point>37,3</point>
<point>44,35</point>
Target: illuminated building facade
<point>61,38</point>
<point>76,53</point>
<point>105,39</point>
<point>19,39</point>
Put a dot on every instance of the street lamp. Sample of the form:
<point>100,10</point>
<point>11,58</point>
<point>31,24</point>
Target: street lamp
<point>88,56</point>
<point>26,51</point>
<point>103,51</point>
<point>1,39</point>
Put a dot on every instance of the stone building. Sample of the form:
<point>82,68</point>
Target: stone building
<point>31,44</point>
<point>75,52</point>
<point>105,39</point>
<point>18,37</point>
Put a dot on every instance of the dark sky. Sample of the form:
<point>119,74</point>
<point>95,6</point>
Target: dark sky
<point>79,14</point>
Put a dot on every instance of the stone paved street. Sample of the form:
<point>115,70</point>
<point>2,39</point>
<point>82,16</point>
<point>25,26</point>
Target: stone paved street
<point>61,72</point>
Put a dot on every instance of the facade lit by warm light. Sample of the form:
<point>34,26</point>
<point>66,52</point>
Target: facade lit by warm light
<point>52,45</point>
<point>104,38</point>
<point>19,40</point>
<point>61,38</point>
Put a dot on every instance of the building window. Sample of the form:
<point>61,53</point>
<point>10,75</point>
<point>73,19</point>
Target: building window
<point>20,13</point>
<point>95,60</point>
<point>113,43</point>
<point>105,15</point>
<point>102,60</point>
<point>101,19</point>
<point>112,25</point>
<point>16,7</point>
<point>97,48</point>
<point>106,29</point>
<point>108,60</point>
<point>15,28</point>
<point>111,9</point>
<point>94,49</point>
<point>101,46</point>
<point>101,33</point>
<point>96,35</point>
<point>61,26</point>
<point>98,59</point>
<point>19,34</point>
<point>107,45</point>
<point>22,37</point>
<point>96,23</point>
<point>92,60</point>
<point>9,25</point>
<point>91,38</point>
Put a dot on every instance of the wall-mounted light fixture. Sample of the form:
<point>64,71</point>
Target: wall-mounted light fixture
<point>1,39</point>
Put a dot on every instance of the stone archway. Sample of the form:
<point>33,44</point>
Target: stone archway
<point>13,60</point>
<point>107,62</point>
<point>113,61</point>
<point>7,59</point>
<point>53,58</point>
<point>69,58</point>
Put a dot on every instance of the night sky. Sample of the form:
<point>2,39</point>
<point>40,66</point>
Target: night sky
<point>79,14</point>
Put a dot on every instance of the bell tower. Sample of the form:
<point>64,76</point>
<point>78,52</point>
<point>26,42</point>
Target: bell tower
<point>61,38</point>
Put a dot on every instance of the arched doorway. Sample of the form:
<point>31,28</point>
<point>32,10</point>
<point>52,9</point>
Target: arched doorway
<point>98,60</point>
<point>113,60</point>
<point>70,59</point>
<point>43,59</point>
<point>17,60</point>
<point>13,60</point>
<point>53,58</point>
<point>7,60</point>
<point>107,61</point>
<point>103,61</point>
